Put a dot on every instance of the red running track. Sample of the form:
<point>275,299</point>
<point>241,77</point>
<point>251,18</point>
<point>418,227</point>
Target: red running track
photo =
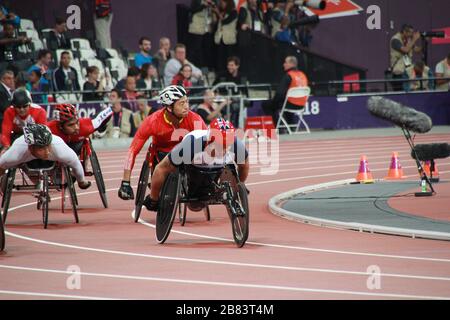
<point>120,259</point>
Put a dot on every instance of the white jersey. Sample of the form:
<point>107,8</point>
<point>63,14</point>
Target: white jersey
<point>193,149</point>
<point>19,154</point>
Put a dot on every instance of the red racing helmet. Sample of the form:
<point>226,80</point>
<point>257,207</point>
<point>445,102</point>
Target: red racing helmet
<point>222,132</point>
<point>66,112</point>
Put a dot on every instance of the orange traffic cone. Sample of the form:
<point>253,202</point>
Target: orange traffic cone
<point>364,175</point>
<point>395,169</point>
<point>431,170</point>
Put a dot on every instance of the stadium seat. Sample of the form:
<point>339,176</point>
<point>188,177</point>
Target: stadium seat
<point>113,53</point>
<point>117,65</point>
<point>80,43</point>
<point>26,24</point>
<point>86,54</point>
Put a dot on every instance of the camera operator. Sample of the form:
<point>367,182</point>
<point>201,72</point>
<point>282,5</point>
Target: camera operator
<point>443,71</point>
<point>403,44</point>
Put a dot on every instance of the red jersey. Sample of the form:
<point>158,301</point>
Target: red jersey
<point>12,122</point>
<point>162,130</point>
<point>86,129</point>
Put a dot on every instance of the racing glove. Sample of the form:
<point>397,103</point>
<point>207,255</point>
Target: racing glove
<point>125,191</point>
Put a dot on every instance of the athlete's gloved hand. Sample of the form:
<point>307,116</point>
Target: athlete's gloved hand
<point>125,191</point>
<point>84,184</point>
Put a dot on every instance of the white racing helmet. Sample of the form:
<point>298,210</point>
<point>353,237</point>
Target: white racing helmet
<point>171,94</point>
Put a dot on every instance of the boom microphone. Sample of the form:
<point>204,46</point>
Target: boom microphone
<point>427,152</point>
<point>400,115</point>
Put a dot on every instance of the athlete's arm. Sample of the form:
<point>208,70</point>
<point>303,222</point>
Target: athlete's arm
<point>159,175</point>
<point>64,154</point>
<point>16,155</point>
<point>145,131</point>
<point>102,118</point>
<point>7,126</point>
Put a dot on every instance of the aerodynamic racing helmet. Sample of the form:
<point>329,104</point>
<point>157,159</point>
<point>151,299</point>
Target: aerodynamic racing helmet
<point>171,94</point>
<point>21,98</point>
<point>37,135</point>
<point>221,132</point>
<point>66,112</point>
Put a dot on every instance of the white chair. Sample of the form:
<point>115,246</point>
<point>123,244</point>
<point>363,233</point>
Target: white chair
<point>26,24</point>
<point>113,53</point>
<point>117,64</point>
<point>80,43</point>
<point>86,54</point>
<point>298,92</point>
<point>33,34</point>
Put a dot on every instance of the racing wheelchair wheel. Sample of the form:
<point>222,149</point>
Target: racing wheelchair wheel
<point>168,205</point>
<point>239,214</point>
<point>43,199</point>
<point>7,188</point>
<point>98,176</point>
<point>141,188</point>
<point>72,193</point>
<point>2,236</point>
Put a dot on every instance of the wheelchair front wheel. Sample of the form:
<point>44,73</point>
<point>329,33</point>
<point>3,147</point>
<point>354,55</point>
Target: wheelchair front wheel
<point>2,236</point>
<point>72,193</point>
<point>168,205</point>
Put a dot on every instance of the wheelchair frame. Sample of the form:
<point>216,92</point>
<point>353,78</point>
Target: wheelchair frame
<point>43,187</point>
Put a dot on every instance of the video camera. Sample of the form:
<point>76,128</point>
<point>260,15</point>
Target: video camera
<point>433,34</point>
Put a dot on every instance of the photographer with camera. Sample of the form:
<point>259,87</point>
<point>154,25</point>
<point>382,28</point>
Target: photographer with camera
<point>403,44</point>
<point>10,43</point>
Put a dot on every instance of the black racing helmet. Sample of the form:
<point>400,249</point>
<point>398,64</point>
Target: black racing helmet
<point>37,135</point>
<point>21,98</point>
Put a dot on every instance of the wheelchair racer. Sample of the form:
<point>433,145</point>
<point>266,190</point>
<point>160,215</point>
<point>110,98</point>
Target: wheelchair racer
<point>21,112</point>
<point>38,142</point>
<point>161,126</point>
<point>214,147</point>
<point>73,130</point>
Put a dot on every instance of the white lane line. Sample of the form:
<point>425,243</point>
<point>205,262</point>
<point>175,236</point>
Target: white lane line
<point>255,243</point>
<point>54,295</point>
<point>231,284</point>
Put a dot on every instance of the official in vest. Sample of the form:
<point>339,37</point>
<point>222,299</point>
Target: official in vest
<point>293,78</point>
<point>403,44</point>
<point>121,124</point>
<point>201,32</point>
<point>226,34</point>
<point>443,71</point>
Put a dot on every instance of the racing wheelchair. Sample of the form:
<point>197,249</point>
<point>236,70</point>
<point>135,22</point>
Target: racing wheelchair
<point>40,177</point>
<point>196,186</point>
<point>88,154</point>
<point>143,183</point>
<point>2,236</point>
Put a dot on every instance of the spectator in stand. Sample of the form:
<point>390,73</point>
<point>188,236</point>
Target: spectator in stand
<point>129,95</point>
<point>143,111</point>
<point>132,72</point>
<point>121,124</point>
<point>200,31</point>
<point>403,44</point>
<point>226,34</point>
<point>6,15</point>
<point>292,78</point>
<point>285,34</point>
<point>174,65</point>
<point>102,21</point>
<point>149,79</point>
<point>7,87</point>
<point>43,65</point>
<point>37,87</point>
<point>211,107</point>
<point>443,71</point>
<point>93,84</point>
<point>65,78</point>
<point>10,43</point>
<point>163,55</point>
<point>233,75</point>
<point>58,38</point>
<point>183,78</point>
<point>145,45</point>
<point>420,72</point>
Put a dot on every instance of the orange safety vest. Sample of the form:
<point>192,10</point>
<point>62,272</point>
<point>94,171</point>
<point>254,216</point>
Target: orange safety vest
<point>299,79</point>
